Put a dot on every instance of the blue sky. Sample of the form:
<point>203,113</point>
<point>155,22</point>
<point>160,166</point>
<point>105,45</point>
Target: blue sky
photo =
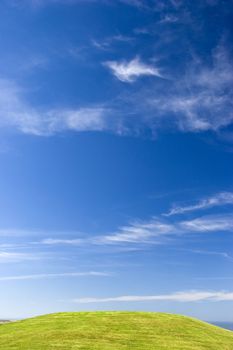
<point>116,157</point>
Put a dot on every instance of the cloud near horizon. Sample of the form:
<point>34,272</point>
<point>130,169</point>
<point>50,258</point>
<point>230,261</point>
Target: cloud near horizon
<point>54,275</point>
<point>189,296</point>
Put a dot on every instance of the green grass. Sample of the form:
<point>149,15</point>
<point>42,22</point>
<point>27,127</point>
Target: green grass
<point>115,331</point>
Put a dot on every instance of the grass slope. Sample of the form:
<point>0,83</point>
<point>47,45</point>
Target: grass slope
<point>113,330</point>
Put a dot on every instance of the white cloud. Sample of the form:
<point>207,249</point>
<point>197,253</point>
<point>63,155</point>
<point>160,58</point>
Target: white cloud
<point>53,275</point>
<point>214,253</point>
<point>200,100</point>
<point>38,3</point>
<point>208,224</point>
<point>130,71</point>
<point>13,232</point>
<point>16,113</point>
<point>52,241</point>
<point>219,199</point>
<point>137,232</point>
<point>105,44</point>
<point>153,231</point>
<point>169,18</point>
<point>6,257</point>
<point>83,119</point>
<point>189,296</point>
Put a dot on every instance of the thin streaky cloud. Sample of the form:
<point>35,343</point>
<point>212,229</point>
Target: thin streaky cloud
<point>137,3</point>
<point>208,224</point>
<point>7,257</point>
<point>207,252</point>
<point>137,232</point>
<point>42,3</point>
<point>193,103</point>
<point>129,71</point>
<point>219,199</point>
<point>200,99</point>
<point>149,232</point>
<point>52,241</point>
<point>15,232</point>
<point>153,231</point>
<point>189,296</point>
<point>106,44</point>
<point>214,278</point>
<point>16,113</point>
<point>54,275</point>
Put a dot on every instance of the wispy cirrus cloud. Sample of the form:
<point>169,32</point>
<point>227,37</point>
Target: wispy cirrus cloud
<point>214,253</point>
<point>169,18</point>
<point>186,296</point>
<point>153,231</point>
<point>52,241</point>
<point>16,113</point>
<point>208,224</point>
<point>107,43</point>
<point>129,71</point>
<point>201,99</point>
<point>38,3</point>
<point>196,98</point>
<point>137,232</point>
<point>219,199</point>
<point>7,257</point>
<point>198,101</point>
<point>54,275</point>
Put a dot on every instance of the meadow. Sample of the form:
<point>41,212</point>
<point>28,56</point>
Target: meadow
<point>113,331</point>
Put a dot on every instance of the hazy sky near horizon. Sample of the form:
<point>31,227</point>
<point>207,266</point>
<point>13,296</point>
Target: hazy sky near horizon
<point>116,156</point>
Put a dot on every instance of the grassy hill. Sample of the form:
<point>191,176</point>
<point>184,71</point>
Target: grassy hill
<point>113,330</point>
